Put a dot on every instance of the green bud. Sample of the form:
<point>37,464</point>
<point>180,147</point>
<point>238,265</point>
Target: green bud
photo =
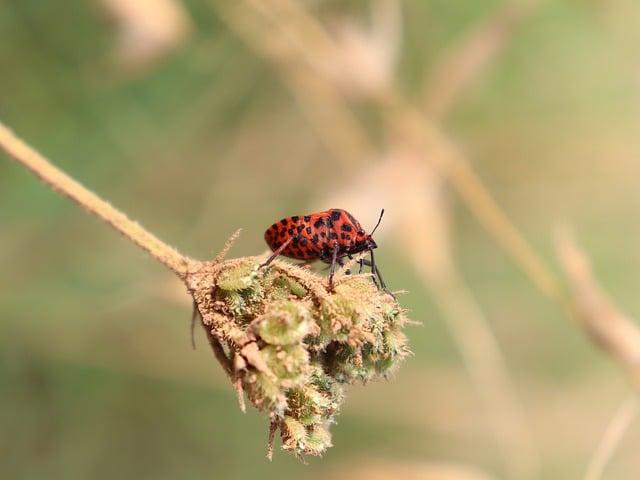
<point>286,323</point>
<point>294,434</point>
<point>288,363</point>
<point>318,440</point>
<point>239,278</point>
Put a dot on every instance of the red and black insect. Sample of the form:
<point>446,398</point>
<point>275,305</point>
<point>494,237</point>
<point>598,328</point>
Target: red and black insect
<point>328,236</point>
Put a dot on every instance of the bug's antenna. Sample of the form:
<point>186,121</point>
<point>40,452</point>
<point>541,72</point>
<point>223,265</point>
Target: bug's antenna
<point>377,224</point>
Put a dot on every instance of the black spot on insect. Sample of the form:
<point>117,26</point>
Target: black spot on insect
<point>346,227</point>
<point>295,240</point>
<point>308,230</point>
<point>290,231</point>
<point>307,218</point>
<point>323,234</point>
<point>343,236</point>
<point>283,233</point>
<point>315,238</point>
<point>300,228</point>
<point>284,221</point>
<point>335,215</point>
<point>353,220</point>
<point>333,235</point>
<point>295,219</point>
<point>274,226</point>
<point>318,223</point>
<point>303,241</point>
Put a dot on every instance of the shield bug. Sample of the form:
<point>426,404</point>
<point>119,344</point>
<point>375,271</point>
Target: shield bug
<point>328,236</point>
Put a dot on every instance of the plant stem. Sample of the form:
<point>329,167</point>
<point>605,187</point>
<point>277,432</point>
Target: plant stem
<point>64,184</point>
<point>612,438</point>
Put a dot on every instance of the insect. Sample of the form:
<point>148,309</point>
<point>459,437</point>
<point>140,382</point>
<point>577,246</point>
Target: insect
<point>329,236</point>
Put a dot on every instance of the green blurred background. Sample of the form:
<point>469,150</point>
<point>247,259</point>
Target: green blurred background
<point>97,375</point>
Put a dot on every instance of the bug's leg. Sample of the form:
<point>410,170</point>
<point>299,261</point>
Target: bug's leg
<point>372,264</point>
<point>363,262</point>
<point>278,251</point>
<point>381,280</point>
<point>377,274</point>
<point>332,270</point>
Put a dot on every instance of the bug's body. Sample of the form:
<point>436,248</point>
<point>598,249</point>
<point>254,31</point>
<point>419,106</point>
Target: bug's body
<point>327,236</point>
<point>316,236</point>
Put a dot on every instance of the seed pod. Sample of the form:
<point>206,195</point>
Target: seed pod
<point>292,346</point>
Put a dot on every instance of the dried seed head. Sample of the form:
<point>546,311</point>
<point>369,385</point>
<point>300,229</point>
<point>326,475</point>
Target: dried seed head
<point>295,346</point>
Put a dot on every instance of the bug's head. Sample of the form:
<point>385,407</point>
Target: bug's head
<point>364,240</point>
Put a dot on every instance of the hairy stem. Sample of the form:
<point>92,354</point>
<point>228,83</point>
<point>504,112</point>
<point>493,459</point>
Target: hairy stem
<point>59,181</point>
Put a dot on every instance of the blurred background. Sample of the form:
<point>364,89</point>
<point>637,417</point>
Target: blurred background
<point>198,117</point>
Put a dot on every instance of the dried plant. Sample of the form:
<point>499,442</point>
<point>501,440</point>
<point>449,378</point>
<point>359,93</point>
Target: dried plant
<point>460,66</point>
<point>292,345</point>
<point>147,30</point>
<point>611,329</point>
<point>612,437</point>
<point>279,333</point>
<point>377,469</point>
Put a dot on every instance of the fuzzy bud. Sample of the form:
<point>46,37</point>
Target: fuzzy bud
<point>293,346</point>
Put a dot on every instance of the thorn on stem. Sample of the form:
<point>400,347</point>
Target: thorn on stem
<point>227,246</point>
<point>273,428</point>
<point>237,385</point>
<point>194,316</point>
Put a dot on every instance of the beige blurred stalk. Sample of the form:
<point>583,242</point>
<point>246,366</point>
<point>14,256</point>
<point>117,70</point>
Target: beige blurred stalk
<point>367,55</point>
<point>376,469</point>
<point>337,126</point>
<point>352,65</point>
<point>462,65</point>
<point>620,423</point>
<point>614,331</point>
<point>147,30</point>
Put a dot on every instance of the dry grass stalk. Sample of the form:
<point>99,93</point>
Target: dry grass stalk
<point>147,29</point>
<point>227,246</point>
<point>335,123</point>
<point>445,156</point>
<point>488,371</point>
<point>612,437</point>
<point>377,469</point>
<point>463,64</point>
<point>615,332</point>
<point>64,184</point>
